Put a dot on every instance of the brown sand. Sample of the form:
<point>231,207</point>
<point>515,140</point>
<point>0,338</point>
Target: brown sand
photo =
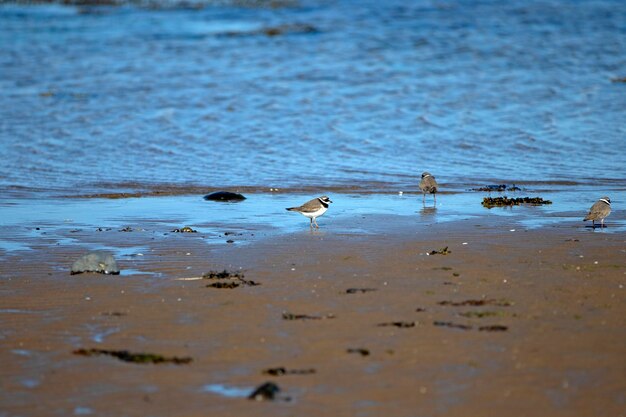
<point>562,353</point>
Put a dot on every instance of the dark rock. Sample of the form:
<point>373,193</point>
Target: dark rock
<point>224,196</point>
<point>265,392</point>
<point>100,262</point>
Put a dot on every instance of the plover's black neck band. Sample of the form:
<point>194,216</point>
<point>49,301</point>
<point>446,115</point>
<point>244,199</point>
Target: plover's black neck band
<point>605,201</point>
<point>323,203</point>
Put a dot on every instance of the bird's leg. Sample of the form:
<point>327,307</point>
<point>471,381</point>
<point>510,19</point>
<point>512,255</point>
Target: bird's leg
<point>602,223</point>
<point>435,197</point>
<point>423,197</point>
<point>315,221</point>
<point>311,225</point>
<point>593,224</point>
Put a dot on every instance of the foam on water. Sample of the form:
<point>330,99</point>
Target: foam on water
<point>475,92</point>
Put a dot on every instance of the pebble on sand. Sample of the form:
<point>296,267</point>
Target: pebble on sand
<point>100,262</point>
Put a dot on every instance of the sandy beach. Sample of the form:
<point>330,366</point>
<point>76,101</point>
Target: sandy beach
<point>359,318</point>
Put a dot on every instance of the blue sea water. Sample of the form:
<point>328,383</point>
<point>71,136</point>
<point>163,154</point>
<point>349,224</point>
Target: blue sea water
<point>358,94</point>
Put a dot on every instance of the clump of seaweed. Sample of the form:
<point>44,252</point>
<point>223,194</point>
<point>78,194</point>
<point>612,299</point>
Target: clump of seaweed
<point>233,279</point>
<point>185,229</point>
<point>490,202</point>
<point>497,188</point>
<point>493,328</point>
<point>399,324</point>
<point>127,356</point>
<point>481,314</point>
<point>452,325</point>
<point>290,316</point>
<point>481,302</point>
<point>223,285</point>
<point>359,290</point>
<point>360,351</point>
<point>442,251</point>
<point>284,371</point>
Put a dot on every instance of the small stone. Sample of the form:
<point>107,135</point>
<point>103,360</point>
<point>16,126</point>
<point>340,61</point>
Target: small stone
<point>265,392</point>
<point>224,196</point>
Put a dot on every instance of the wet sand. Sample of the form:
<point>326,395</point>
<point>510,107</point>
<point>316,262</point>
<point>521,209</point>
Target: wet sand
<point>552,338</point>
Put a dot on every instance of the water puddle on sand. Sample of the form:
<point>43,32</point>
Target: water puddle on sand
<point>227,391</point>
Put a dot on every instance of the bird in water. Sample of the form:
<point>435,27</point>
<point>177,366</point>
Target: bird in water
<point>599,211</point>
<point>428,185</point>
<point>313,209</point>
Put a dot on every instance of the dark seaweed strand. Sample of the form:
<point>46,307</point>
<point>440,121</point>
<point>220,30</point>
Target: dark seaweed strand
<point>127,356</point>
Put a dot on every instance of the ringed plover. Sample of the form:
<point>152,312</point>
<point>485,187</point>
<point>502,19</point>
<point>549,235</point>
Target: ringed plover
<point>599,211</point>
<point>428,185</point>
<point>313,209</point>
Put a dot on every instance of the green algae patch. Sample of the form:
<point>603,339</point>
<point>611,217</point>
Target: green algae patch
<point>505,201</point>
<point>132,357</point>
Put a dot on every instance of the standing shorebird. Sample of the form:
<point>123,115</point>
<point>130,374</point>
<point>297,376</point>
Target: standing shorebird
<point>599,211</point>
<point>313,209</point>
<point>428,184</point>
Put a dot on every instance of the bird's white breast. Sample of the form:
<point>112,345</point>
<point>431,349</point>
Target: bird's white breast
<point>313,214</point>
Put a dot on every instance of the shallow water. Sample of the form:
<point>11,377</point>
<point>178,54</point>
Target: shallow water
<point>29,224</point>
<point>368,95</point>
